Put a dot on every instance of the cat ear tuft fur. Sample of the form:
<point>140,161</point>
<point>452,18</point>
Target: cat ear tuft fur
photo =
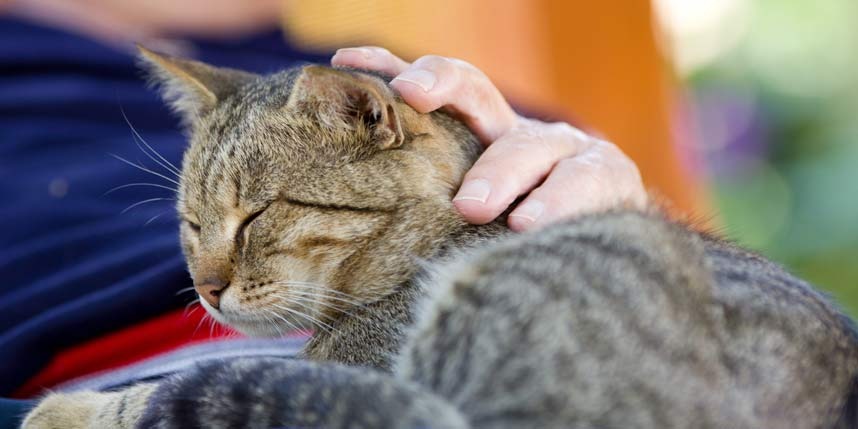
<point>190,87</point>
<point>349,100</point>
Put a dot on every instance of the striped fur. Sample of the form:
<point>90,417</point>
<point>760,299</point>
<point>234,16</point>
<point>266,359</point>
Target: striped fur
<point>618,319</point>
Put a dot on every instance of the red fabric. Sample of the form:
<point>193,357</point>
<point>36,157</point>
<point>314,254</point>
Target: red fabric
<point>132,344</point>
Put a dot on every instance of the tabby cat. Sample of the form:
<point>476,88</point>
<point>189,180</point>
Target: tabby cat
<point>315,198</point>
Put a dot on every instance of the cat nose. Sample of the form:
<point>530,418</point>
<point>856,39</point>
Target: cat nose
<point>211,290</point>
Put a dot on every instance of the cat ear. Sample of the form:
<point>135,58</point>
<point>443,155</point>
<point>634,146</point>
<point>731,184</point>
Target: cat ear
<point>350,100</point>
<point>192,88</point>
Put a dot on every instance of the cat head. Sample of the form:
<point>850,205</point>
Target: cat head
<point>307,191</point>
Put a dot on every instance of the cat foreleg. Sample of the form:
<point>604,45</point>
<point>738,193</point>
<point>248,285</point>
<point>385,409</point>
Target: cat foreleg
<point>270,392</point>
<point>120,409</point>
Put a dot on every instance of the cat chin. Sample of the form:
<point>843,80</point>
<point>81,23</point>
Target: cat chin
<point>257,328</point>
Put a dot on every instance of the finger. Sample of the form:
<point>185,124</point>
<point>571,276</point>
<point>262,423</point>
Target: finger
<point>433,82</point>
<point>370,58</point>
<point>513,165</point>
<point>598,179</point>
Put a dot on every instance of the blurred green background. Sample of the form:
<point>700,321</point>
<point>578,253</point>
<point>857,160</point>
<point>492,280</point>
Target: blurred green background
<point>772,90</point>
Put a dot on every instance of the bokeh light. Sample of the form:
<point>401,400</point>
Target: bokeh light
<point>773,93</point>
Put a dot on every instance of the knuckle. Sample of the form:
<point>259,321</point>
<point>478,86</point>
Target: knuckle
<point>567,130</point>
<point>374,51</point>
<point>388,58</point>
<point>429,59</point>
<point>379,50</point>
<point>434,62</point>
<point>584,173</point>
<point>600,177</point>
<point>446,62</point>
<point>466,73</point>
<point>441,67</point>
<point>513,154</point>
<point>527,128</point>
<point>573,168</point>
<point>474,74</point>
<point>564,127</point>
<point>617,158</point>
<point>567,164</point>
<point>528,137</point>
<point>608,147</point>
<point>462,64</point>
<point>511,157</point>
<point>519,143</point>
<point>480,84</point>
<point>576,165</point>
<point>562,138</point>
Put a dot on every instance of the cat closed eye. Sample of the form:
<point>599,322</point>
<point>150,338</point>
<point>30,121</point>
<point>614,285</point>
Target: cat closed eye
<point>239,236</point>
<point>194,226</point>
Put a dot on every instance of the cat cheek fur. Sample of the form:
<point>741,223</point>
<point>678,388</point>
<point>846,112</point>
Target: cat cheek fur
<point>284,271</point>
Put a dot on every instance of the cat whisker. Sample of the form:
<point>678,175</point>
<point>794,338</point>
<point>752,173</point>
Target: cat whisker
<point>269,322</point>
<point>200,323</point>
<point>316,298</point>
<point>191,313</point>
<point>314,321</point>
<point>212,323</point>
<point>323,293</point>
<point>304,298</point>
<point>152,219</point>
<point>129,185</point>
<point>303,306</point>
<point>326,291</point>
<point>303,302</point>
<point>188,306</point>
<point>187,289</point>
<point>273,326</point>
<point>339,301</point>
<point>319,287</point>
<point>291,325</point>
<point>140,167</point>
<point>137,141</point>
<point>327,301</point>
<point>303,283</point>
<point>297,329</point>
<point>343,301</point>
<point>323,303</point>
<point>167,165</point>
<point>140,203</point>
<point>194,301</point>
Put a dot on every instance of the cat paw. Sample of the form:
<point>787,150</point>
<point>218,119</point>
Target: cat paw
<point>66,410</point>
<point>118,409</point>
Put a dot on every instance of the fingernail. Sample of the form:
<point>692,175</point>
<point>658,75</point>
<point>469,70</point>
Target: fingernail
<point>422,78</point>
<point>474,190</point>
<point>531,210</point>
<point>365,53</point>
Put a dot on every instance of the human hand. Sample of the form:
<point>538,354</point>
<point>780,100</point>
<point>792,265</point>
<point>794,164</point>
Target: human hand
<point>564,171</point>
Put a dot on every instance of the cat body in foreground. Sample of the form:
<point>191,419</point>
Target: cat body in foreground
<point>316,198</point>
